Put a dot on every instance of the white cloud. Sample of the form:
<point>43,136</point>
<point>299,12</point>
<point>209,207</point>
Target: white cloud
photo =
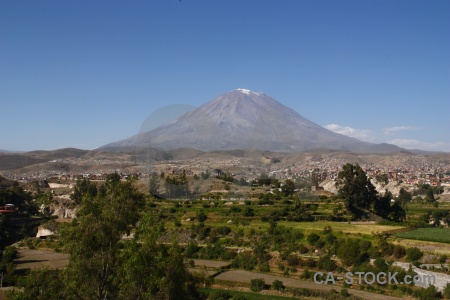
<point>392,130</point>
<point>362,134</point>
<point>377,137</point>
<point>415,144</point>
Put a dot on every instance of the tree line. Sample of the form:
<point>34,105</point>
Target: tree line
<point>102,264</point>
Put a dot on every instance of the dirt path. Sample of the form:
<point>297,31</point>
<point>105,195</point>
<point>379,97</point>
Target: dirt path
<point>246,277</point>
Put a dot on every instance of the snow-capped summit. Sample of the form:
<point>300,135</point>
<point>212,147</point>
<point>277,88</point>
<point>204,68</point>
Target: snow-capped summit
<point>247,92</point>
<point>243,119</point>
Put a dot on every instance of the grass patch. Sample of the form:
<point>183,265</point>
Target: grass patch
<point>441,235</point>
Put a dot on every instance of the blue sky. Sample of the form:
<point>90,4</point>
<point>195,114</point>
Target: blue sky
<point>86,73</point>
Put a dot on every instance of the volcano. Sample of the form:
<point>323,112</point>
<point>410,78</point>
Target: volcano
<point>244,119</point>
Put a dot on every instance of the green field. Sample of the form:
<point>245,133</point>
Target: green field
<point>361,228</point>
<point>441,235</point>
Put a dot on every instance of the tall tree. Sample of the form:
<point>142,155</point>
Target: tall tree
<point>83,188</point>
<point>355,188</point>
<point>288,188</point>
<point>404,197</point>
<point>153,270</point>
<point>93,239</point>
<point>382,205</point>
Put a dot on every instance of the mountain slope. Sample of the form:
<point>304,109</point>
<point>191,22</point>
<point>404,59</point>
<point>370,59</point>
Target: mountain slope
<point>243,119</point>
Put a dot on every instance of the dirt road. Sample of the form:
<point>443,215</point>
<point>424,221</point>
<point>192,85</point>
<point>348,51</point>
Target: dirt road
<point>246,277</point>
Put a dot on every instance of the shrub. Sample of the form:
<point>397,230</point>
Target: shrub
<point>277,285</point>
<point>325,263</point>
<point>264,267</point>
<point>201,217</point>
<point>246,261</point>
<point>303,249</point>
<point>313,238</point>
<point>219,295</point>
<point>257,285</point>
<point>430,293</point>
<point>413,254</point>
<point>293,260</point>
<point>446,292</point>
<point>399,251</point>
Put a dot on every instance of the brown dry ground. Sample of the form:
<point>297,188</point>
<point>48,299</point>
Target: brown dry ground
<point>246,277</point>
<point>32,259</point>
<point>210,263</point>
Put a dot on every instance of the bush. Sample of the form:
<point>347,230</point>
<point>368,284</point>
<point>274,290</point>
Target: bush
<point>246,261</point>
<point>293,260</point>
<point>219,295</point>
<point>413,254</point>
<point>399,251</point>
<point>201,217</point>
<point>325,263</point>
<point>277,285</point>
<point>264,267</point>
<point>313,238</point>
<point>257,285</point>
<point>303,249</point>
<point>430,293</point>
<point>446,292</point>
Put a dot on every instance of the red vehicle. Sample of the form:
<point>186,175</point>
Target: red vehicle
<point>7,209</point>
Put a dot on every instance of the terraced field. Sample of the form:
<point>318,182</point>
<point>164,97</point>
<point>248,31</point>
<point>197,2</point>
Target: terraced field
<point>441,235</point>
<point>353,228</point>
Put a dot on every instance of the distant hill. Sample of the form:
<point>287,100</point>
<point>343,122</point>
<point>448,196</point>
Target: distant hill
<point>243,119</point>
<point>20,160</point>
<point>5,183</point>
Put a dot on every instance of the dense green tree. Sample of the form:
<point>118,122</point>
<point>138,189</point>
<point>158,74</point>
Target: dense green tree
<point>382,205</point>
<point>288,188</point>
<point>103,265</point>
<point>360,194</point>
<point>93,239</point>
<point>83,188</point>
<point>43,284</point>
<point>404,197</point>
<point>19,197</point>
<point>152,270</point>
<point>355,188</point>
<point>383,179</point>
<point>352,251</point>
<point>313,238</point>
<point>397,213</point>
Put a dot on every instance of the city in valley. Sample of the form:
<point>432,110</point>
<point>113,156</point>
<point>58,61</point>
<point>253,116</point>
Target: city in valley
<point>245,223</point>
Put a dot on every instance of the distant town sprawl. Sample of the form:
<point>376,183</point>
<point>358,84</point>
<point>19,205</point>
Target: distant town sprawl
<point>399,168</point>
